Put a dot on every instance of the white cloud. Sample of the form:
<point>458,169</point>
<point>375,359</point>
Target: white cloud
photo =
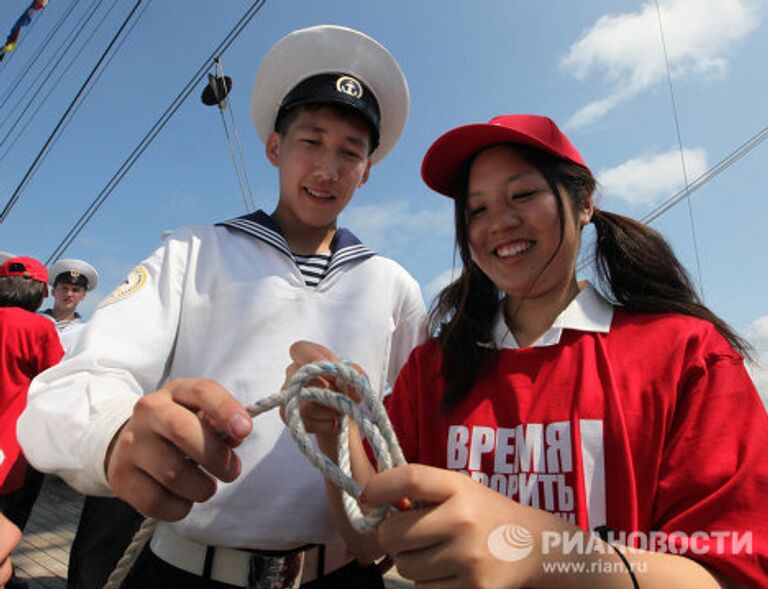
<point>439,282</point>
<point>626,51</point>
<point>395,225</point>
<point>647,179</point>
<point>757,334</point>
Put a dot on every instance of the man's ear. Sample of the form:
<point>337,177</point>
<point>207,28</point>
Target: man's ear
<point>272,148</point>
<point>367,173</point>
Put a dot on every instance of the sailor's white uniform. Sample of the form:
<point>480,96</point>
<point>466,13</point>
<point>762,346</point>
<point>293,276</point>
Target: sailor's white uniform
<point>68,331</point>
<point>224,302</point>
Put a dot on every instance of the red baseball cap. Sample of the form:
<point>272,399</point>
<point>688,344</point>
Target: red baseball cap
<point>26,268</point>
<point>444,162</point>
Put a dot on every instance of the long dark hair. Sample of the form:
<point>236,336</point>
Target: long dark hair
<point>635,266</point>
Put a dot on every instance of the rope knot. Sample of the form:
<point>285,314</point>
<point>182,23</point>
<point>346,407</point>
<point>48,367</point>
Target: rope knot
<point>371,418</point>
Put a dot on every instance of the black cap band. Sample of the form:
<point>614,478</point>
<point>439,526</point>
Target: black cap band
<point>71,278</point>
<point>335,88</point>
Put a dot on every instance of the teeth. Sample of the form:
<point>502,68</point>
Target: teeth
<point>513,249</point>
<point>318,194</point>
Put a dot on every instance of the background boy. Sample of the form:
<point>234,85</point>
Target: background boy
<point>203,327</point>
<point>28,345</point>
<point>71,281</point>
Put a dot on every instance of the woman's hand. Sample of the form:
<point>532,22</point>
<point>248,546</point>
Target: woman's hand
<point>446,544</point>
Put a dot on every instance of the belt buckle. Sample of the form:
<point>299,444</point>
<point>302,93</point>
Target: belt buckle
<point>274,572</point>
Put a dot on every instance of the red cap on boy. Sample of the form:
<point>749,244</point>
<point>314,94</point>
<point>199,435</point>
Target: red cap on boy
<point>26,268</point>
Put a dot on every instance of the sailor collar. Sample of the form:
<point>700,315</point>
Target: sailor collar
<point>588,311</point>
<point>345,246</point>
<point>49,313</point>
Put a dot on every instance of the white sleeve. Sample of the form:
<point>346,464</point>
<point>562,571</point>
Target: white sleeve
<point>410,330</point>
<point>76,407</point>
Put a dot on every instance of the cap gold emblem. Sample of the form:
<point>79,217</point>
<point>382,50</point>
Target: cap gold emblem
<point>350,86</point>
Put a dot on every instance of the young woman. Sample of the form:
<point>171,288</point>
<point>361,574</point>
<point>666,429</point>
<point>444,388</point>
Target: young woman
<point>632,417</point>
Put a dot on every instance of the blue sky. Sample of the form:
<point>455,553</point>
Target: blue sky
<point>596,66</point>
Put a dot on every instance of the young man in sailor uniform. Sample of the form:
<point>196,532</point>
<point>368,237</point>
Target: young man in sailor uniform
<point>72,281</point>
<point>202,328</point>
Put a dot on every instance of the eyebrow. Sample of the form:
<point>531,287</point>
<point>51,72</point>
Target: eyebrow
<point>357,141</point>
<point>509,180</point>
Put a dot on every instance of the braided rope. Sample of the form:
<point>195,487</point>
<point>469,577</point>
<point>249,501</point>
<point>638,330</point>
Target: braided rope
<point>377,429</point>
<point>128,559</point>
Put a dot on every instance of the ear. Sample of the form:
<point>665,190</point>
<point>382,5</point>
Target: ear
<point>586,212</point>
<point>367,173</point>
<point>272,148</point>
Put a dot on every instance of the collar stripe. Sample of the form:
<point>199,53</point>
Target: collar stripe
<point>260,232</point>
<point>346,248</point>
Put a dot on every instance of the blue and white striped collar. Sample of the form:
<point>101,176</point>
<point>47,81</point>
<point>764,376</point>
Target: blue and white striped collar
<point>345,246</point>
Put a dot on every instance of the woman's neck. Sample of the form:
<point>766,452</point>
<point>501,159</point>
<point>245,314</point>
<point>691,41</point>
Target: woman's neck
<point>529,318</point>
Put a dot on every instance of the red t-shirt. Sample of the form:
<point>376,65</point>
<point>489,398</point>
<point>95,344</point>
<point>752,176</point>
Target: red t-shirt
<point>654,426</point>
<point>28,345</point>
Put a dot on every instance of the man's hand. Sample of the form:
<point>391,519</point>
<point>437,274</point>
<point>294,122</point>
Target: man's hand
<point>318,419</point>
<point>179,440</point>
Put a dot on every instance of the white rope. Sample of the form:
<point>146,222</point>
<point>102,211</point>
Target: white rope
<point>127,560</point>
<point>377,429</point>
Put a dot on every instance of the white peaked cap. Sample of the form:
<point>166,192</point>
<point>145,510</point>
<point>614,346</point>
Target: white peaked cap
<point>330,49</point>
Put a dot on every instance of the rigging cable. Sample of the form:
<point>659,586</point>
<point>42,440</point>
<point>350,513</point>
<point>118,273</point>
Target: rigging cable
<point>17,193</point>
<point>37,53</point>
<point>61,76</point>
<point>224,104</point>
<point>6,55</point>
<point>680,148</point>
<point>109,60</point>
<point>47,71</point>
<point>53,86</point>
<point>95,80</point>
<point>699,182</point>
<point>152,133</point>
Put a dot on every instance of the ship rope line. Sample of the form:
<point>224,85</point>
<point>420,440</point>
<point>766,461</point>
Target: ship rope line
<point>47,71</point>
<point>61,55</point>
<point>36,53</point>
<point>725,163</point>
<point>215,93</point>
<point>90,87</point>
<point>682,153</point>
<point>48,143</point>
<point>5,55</point>
<point>124,168</point>
<point>95,80</point>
